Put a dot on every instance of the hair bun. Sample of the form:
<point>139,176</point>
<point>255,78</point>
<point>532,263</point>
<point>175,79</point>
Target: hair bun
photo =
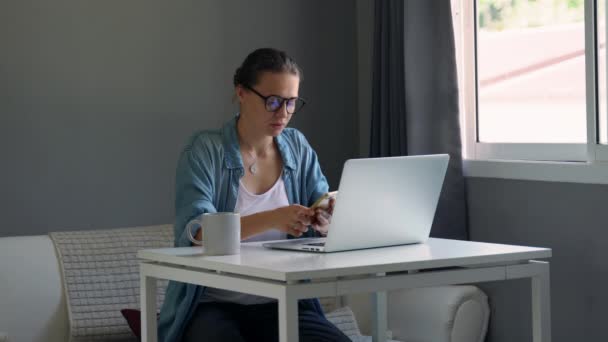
<point>237,76</point>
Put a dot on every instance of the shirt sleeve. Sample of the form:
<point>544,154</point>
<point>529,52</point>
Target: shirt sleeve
<point>315,181</point>
<point>194,189</point>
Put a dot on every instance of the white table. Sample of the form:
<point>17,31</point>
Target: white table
<point>289,276</point>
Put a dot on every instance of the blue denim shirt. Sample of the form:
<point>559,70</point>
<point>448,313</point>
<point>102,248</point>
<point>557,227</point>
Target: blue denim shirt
<point>207,180</point>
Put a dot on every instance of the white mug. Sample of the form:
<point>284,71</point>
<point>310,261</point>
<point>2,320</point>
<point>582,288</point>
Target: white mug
<point>221,233</point>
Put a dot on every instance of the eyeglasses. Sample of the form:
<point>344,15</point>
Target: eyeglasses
<point>275,102</point>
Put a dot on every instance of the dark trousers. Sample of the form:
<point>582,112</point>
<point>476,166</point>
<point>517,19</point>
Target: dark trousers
<point>216,321</point>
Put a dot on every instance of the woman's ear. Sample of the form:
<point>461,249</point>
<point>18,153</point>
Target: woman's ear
<point>239,93</point>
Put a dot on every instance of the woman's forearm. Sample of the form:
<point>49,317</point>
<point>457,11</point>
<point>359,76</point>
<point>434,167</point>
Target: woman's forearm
<point>256,223</point>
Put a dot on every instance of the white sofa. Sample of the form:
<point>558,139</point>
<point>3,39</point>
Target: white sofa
<point>33,305</point>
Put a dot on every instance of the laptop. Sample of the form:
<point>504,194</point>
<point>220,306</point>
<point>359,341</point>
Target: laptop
<point>380,202</point>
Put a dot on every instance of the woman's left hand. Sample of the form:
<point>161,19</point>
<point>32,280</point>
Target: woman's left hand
<point>322,217</point>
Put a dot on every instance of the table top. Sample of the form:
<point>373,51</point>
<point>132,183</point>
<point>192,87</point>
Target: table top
<point>260,262</point>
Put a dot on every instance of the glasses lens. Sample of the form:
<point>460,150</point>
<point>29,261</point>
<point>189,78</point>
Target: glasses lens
<point>291,105</point>
<point>294,105</point>
<point>273,103</point>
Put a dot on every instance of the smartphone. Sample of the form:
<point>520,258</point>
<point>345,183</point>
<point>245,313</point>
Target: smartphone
<point>323,201</point>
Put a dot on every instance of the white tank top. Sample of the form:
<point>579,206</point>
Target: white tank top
<point>247,204</point>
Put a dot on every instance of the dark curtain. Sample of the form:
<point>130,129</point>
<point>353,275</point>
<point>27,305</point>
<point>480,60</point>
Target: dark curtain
<point>415,96</point>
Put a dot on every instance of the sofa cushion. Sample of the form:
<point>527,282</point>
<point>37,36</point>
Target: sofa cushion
<point>100,271</point>
<point>32,303</point>
<point>439,313</point>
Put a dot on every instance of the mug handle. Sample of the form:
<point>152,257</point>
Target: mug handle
<point>189,226</point>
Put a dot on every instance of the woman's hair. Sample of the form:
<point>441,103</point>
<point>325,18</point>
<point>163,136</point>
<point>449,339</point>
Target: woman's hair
<point>265,59</point>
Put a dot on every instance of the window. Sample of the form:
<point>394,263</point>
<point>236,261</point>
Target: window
<point>531,71</point>
<point>532,77</point>
<point>602,70</point>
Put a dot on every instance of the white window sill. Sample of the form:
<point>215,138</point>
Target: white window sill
<point>571,172</point>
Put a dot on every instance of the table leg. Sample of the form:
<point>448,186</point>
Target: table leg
<point>541,305</point>
<point>379,317</point>
<point>288,319</point>
<point>147,294</point>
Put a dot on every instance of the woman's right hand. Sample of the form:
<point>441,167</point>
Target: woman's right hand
<point>293,219</point>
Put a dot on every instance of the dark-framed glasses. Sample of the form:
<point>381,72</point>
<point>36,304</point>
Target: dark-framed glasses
<point>275,102</point>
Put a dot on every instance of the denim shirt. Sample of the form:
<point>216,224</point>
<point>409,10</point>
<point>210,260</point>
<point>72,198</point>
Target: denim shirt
<point>207,181</point>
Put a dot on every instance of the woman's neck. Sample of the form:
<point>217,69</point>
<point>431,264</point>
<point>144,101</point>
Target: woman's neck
<point>251,140</point>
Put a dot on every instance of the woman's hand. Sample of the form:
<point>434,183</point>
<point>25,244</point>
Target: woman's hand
<point>322,217</point>
<point>293,219</point>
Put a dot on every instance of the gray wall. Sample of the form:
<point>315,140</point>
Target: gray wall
<point>569,218</point>
<point>98,97</point>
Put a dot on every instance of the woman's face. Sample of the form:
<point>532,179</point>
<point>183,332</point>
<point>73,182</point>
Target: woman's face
<point>253,107</point>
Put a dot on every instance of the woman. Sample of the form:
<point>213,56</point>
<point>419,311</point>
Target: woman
<point>269,174</point>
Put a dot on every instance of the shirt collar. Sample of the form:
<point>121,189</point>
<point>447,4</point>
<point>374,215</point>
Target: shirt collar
<point>232,156</point>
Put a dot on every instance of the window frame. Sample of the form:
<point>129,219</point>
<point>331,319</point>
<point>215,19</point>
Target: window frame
<point>581,163</point>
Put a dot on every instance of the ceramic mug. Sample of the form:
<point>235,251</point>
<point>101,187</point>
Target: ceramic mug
<point>221,233</point>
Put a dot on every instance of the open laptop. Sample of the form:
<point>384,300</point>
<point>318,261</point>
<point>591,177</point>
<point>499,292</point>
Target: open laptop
<point>380,202</point>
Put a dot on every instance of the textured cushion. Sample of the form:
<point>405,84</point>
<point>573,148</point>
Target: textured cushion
<point>101,275</point>
<point>344,319</point>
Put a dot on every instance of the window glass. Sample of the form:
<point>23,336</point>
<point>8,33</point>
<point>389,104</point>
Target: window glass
<point>531,71</point>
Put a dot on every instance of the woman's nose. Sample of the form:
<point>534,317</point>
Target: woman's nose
<point>282,111</point>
